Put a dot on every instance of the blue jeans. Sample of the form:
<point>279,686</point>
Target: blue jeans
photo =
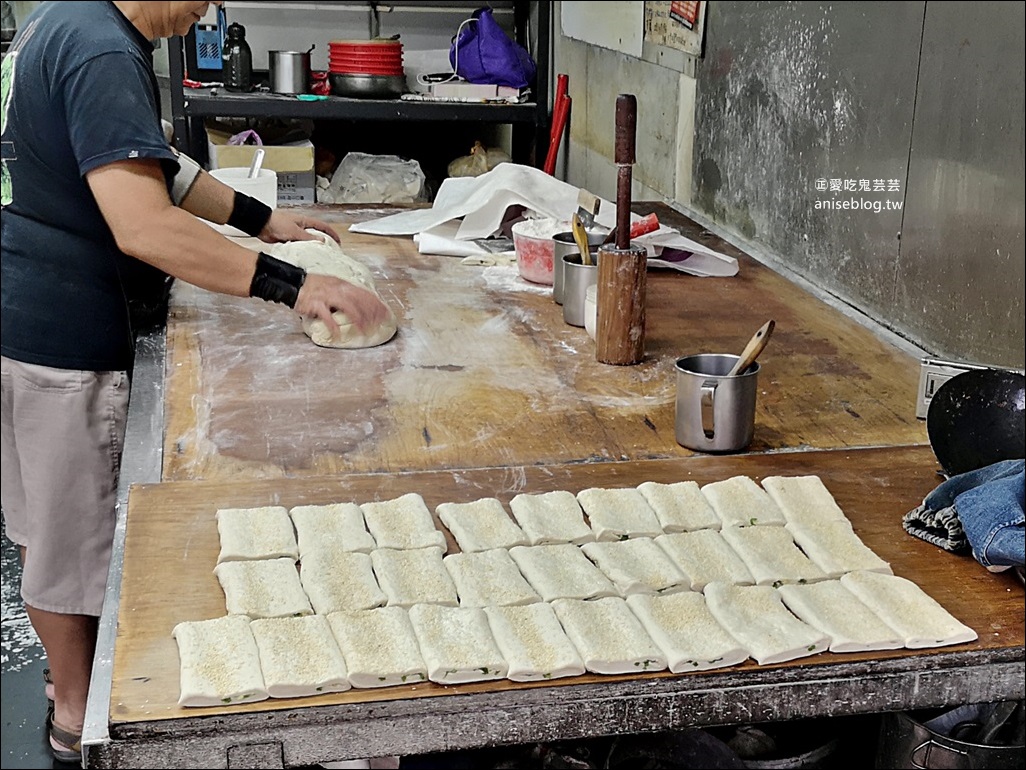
<point>989,505</point>
<point>992,516</point>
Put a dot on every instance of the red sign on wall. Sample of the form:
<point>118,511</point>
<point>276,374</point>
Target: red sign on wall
<point>685,13</point>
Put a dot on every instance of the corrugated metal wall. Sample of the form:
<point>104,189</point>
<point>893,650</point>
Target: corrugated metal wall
<point>876,149</point>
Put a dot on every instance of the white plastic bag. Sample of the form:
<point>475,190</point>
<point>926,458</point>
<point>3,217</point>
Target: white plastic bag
<point>363,178</point>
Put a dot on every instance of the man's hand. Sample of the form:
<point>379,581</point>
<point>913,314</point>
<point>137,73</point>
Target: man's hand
<point>322,295</point>
<point>289,226</point>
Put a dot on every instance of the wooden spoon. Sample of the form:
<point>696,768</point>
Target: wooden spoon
<point>581,237</point>
<point>752,349</point>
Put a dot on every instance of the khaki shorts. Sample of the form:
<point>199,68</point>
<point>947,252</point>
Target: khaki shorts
<point>62,435</point>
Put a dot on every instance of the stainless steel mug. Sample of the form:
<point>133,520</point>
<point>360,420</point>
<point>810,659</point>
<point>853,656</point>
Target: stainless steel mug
<point>577,277</point>
<point>563,244</point>
<point>715,413</point>
<point>289,71</point>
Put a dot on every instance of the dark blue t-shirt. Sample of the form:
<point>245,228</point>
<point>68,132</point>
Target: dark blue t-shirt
<point>78,92</point>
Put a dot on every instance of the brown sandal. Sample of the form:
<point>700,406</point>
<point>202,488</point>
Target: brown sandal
<point>65,745</point>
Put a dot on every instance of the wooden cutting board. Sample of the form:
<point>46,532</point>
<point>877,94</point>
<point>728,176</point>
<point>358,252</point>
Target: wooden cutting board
<point>172,545</point>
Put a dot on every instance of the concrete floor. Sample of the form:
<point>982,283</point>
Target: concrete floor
<point>24,704</point>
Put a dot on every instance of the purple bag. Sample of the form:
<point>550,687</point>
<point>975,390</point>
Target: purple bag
<point>483,53</point>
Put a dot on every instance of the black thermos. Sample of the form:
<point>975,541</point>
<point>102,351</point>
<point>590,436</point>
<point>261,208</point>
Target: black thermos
<point>237,60</point>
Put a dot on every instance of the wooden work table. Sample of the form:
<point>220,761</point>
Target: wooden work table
<point>172,547</point>
<point>486,392</point>
<point>485,373</point>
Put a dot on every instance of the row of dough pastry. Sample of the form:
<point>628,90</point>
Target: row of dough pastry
<point>652,509</point>
<point>337,581</point>
<point>234,660</point>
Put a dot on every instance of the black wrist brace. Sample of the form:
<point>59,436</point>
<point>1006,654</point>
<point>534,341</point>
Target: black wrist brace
<point>249,214</point>
<point>276,281</point>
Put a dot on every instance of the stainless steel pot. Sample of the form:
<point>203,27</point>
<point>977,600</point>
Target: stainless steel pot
<point>289,71</point>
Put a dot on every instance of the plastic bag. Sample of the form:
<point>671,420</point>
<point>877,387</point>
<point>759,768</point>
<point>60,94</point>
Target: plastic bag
<point>363,178</point>
<point>246,137</point>
<point>483,53</point>
<point>478,162</point>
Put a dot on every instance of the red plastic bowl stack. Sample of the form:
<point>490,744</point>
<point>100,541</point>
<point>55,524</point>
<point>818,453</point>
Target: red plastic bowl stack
<point>366,57</point>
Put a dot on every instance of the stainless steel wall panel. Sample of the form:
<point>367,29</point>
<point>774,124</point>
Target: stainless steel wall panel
<point>791,94</point>
<point>959,278</point>
<point>927,95</point>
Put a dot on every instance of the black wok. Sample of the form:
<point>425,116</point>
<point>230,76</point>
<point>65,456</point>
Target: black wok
<point>976,419</point>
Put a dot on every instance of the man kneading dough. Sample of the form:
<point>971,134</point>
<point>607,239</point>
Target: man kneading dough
<point>325,257</point>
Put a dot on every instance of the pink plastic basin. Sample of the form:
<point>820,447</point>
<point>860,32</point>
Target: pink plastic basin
<point>534,257</point>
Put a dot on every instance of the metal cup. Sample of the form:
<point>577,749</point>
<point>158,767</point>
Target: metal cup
<point>289,71</point>
<point>577,277</point>
<point>715,413</point>
<point>564,244</point>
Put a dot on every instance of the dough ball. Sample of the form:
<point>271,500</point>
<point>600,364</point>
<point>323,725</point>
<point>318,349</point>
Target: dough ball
<point>351,337</point>
<point>325,257</point>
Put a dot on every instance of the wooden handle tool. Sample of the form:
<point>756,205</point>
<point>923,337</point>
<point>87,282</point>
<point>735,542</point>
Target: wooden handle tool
<point>752,349</point>
<point>623,147</point>
<point>581,238</point>
<point>620,297</point>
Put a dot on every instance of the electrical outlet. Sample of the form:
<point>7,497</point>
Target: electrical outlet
<point>933,374</point>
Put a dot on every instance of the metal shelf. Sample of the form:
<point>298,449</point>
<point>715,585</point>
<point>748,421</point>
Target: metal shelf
<point>189,106</point>
<point>201,102</point>
<point>418,6</point>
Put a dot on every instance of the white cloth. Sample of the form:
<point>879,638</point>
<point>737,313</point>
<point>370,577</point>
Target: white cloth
<point>481,203</point>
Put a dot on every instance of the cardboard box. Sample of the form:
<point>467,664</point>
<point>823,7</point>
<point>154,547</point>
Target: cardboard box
<point>293,163</point>
<point>460,89</point>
